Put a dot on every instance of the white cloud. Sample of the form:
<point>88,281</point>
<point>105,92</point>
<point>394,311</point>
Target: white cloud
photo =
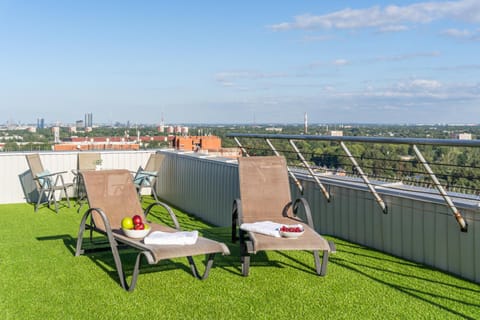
<point>231,79</point>
<point>311,38</point>
<point>456,33</point>
<point>463,34</point>
<point>408,56</point>
<point>425,84</point>
<point>340,62</point>
<point>393,28</point>
<point>392,17</point>
<point>222,76</point>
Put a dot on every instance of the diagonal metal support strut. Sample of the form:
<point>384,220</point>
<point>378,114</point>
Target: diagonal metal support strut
<point>365,179</point>
<point>461,221</point>
<point>241,147</point>
<point>312,174</point>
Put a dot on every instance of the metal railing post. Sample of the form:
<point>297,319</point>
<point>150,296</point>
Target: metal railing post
<point>463,224</point>
<point>312,174</point>
<point>365,179</point>
<point>241,147</point>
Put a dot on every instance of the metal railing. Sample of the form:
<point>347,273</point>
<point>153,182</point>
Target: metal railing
<point>417,158</point>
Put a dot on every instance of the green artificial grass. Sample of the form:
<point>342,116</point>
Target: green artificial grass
<point>42,279</point>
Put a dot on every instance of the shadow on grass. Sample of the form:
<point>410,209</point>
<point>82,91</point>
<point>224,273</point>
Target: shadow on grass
<point>361,269</point>
<point>260,259</point>
<point>99,252</point>
<point>402,263</point>
<point>297,264</point>
<point>389,259</point>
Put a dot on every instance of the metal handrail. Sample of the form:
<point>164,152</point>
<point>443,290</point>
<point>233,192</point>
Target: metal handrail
<point>380,140</point>
<point>383,140</point>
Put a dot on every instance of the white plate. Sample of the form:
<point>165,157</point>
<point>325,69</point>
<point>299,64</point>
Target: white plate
<point>287,234</point>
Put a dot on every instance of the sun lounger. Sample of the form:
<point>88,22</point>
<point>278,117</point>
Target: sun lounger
<point>264,206</point>
<point>112,196</point>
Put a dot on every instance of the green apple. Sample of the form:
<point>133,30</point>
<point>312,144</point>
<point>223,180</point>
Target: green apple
<point>127,223</point>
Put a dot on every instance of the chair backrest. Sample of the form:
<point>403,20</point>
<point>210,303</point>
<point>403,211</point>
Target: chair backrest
<point>154,162</point>
<point>143,176</point>
<point>88,160</point>
<point>264,187</point>
<point>35,164</point>
<point>112,191</point>
<point>36,167</point>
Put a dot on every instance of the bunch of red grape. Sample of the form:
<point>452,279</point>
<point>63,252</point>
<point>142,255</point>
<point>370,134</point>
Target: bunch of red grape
<point>290,229</point>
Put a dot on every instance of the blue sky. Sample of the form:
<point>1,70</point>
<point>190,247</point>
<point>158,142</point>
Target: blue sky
<point>240,61</point>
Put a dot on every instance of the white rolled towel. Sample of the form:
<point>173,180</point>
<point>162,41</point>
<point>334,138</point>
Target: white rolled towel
<point>172,238</point>
<point>268,228</point>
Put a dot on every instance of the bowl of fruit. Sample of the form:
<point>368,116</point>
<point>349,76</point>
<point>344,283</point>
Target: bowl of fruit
<point>294,231</point>
<point>134,227</point>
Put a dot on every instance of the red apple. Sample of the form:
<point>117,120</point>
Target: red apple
<point>137,219</point>
<point>139,226</point>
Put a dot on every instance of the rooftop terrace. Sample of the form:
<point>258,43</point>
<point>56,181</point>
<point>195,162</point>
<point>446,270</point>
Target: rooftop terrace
<point>412,261</point>
<point>42,279</point>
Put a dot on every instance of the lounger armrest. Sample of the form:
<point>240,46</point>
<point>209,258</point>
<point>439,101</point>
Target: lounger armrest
<point>143,178</point>
<point>306,207</point>
<point>236,218</point>
<point>44,177</point>
<point>169,210</point>
<point>106,222</point>
<point>59,172</point>
<point>149,173</point>
<point>51,174</point>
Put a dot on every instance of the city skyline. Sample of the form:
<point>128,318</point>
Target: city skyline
<point>215,62</point>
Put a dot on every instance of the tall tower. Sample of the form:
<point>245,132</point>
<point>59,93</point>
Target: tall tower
<point>161,128</point>
<point>40,123</point>
<point>56,134</point>
<point>88,120</point>
<point>305,123</point>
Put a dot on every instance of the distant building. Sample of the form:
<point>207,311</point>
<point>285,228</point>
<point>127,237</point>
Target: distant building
<point>56,134</point>
<point>79,124</point>
<point>96,143</point>
<point>40,123</point>
<point>211,145</point>
<point>88,120</point>
<point>272,129</point>
<point>336,133</point>
<point>463,136</point>
<point>72,129</point>
<point>196,143</point>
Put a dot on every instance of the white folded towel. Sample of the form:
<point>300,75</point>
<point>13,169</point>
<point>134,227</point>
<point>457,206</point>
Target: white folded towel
<point>172,238</point>
<point>268,228</point>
